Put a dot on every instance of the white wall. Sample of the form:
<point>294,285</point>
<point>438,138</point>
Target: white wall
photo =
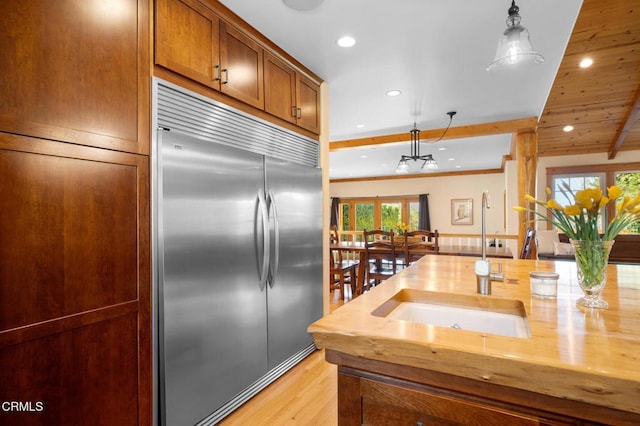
<point>441,191</point>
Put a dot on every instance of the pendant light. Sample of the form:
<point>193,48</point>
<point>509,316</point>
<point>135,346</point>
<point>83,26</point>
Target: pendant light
<point>302,5</point>
<point>428,162</point>
<point>514,47</point>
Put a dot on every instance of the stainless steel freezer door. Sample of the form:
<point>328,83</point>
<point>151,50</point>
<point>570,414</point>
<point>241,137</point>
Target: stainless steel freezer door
<point>295,297</point>
<point>213,329</point>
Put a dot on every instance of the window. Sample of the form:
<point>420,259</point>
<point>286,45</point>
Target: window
<point>576,183</point>
<point>364,216</point>
<point>629,182</point>
<point>345,210</point>
<point>624,175</point>
<point>414,215</point>
<point>357,214</point>
<point>391,215</point>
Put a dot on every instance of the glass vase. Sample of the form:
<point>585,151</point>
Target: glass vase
<point>592,258</point>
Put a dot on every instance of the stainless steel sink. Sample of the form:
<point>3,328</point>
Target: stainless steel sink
<point>481,314</point>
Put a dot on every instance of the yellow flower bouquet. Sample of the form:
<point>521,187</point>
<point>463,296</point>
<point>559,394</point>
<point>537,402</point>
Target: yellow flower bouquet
<point>579,221</point>
<point>402,228</point>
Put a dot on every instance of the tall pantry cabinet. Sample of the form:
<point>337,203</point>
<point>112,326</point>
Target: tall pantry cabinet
<point>75,326</point>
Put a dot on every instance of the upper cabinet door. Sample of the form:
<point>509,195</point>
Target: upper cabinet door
<point>241,63</point>
<point>76,71</point>
<point>187,40</point>
<point>279,88</point>
<point>308,103</point>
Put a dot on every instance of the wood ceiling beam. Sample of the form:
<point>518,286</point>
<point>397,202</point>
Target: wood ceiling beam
<point>417,175</point>
<point>627,123</point>
<point>496,128</point>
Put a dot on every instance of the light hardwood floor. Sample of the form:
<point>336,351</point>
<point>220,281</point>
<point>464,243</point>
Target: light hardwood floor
<point>305,395</point>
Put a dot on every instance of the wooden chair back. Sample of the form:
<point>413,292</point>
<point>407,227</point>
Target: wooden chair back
<point>334,237</point>
<point>342,271</point>
<point>380,255</point>
<point>420,243</point>
<point>527,244</point>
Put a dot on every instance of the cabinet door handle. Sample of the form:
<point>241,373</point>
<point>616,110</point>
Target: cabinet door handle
<point>226,76</point>
<point>299,113</point>
<point>216,69</point>
<point>294,111</point>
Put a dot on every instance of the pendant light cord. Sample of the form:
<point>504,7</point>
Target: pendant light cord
<point>450,114</point>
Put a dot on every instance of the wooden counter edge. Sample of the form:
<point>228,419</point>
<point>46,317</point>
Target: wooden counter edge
<point>575,385</point>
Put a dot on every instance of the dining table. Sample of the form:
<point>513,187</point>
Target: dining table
<point>443,249</point>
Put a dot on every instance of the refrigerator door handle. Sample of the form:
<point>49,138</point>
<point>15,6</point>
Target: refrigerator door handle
<point>274,258</point>
<point>264,214</point>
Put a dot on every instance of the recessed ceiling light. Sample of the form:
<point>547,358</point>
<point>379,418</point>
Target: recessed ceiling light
<point>567,128</point>
<point>442,148</point>
<point>458,167</point>
<point>364,156</point>
<point>346,41</point>
<point>586,63</point>
<point>452,159</point>
<point>360,126</point>
<point>302,4</point>
<point>393,92</point>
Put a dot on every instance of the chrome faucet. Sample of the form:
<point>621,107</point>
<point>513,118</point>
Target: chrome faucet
<point>484,276</point>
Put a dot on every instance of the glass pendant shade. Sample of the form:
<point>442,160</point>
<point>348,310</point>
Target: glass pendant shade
<point>403,167</point>
<point>430,164</point>
<point>514,47</point>
<point>302,5</point>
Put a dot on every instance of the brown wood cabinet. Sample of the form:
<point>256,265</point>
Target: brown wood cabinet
<point>290,95</point>
<point>72,71</point>
<point>193,41</point>
<point>196,42</point>
<point>75,287</point>
<point>187,40</point>
<point>241,66</point>
<point>74,283</point>
<point>380,393</point>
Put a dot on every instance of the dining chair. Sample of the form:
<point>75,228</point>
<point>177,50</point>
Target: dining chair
<point>342,271</point>
<point>527,244</point>
<point>380,256</point>
<point>334,237</point>
<point>420,243</point>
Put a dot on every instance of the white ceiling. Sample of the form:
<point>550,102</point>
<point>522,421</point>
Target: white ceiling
<point>434,51</point>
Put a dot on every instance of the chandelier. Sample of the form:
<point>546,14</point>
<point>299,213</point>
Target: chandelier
<point>428,162</point>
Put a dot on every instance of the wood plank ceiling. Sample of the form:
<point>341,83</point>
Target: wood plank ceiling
<point>601,102</point>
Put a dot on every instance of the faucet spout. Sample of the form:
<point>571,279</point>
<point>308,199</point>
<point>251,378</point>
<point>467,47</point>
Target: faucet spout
<point>484,276</point>
<point>485,206</point>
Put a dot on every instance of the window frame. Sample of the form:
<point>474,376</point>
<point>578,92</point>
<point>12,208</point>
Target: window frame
<point>608,171</point>
<point>377,209</point>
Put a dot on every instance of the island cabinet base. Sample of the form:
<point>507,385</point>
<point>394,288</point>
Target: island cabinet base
<point>381,393</point>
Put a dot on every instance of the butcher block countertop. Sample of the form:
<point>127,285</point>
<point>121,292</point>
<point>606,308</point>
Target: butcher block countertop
<point>583,355</point>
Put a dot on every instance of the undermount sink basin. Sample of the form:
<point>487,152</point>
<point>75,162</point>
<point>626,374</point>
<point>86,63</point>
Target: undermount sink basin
<point>482,314</point>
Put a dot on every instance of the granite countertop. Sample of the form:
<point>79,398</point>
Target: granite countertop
<point>575,353</point>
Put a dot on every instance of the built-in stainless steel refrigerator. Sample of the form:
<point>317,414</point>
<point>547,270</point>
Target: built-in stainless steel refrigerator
<point>238,264</point>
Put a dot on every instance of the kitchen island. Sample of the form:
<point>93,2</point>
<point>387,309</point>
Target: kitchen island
<point>575,366</point>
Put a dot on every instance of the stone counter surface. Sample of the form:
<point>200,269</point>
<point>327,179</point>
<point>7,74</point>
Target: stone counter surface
<point>583,355</point>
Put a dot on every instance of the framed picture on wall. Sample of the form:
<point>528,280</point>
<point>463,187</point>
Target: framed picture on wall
<point>462,211</point>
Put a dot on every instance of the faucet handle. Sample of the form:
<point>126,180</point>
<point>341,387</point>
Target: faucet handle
<point>497,276</point>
